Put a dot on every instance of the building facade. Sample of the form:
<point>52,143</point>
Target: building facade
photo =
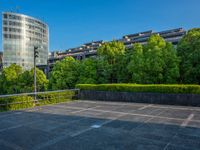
<point>21,33</point>
<point>90,49</point>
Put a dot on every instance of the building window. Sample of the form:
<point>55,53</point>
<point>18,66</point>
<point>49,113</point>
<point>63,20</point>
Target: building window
<point>5,22</point>
<point>5,16</point>
<point>5,29</point>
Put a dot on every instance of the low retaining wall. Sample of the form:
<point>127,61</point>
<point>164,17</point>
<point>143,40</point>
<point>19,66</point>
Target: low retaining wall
<point>153,98</point>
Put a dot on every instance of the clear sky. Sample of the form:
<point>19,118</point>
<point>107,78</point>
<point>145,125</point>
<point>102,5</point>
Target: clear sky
<point>74,22</point>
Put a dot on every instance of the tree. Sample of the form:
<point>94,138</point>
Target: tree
<point>88,71</point>
<point>171,64</point>
<point>155,62</point>
<point>110,53</point>
<point>189,51</point>
<point>65,74</point>
<point>153,59</point>
<point>136,65</point>
<point>15,80</point>
<point>10,76</point>
<point>26,80</point>
<point>104,71</point>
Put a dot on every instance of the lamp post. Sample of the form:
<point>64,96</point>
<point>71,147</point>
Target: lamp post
<point>35,82</point>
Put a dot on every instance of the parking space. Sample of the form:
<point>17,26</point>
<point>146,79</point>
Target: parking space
<point>90,125</point>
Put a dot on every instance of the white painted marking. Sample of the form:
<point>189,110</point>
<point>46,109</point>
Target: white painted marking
<point>96,126</point>
<point>90,108</point>
<point>143,115</point>
<point>90,128</point>
<point>185,122</point>
<point>144,107</point>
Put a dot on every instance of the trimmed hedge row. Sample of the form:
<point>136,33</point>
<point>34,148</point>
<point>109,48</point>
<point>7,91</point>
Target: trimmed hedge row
<point>149,88</point>
<point>16,102</point>
<point>55,97</point>
<point>25,101</point>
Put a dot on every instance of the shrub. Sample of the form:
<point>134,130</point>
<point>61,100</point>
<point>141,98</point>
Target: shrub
<point>152,88</point>
<point>55,97</point>
<point>24,101</point>
<point>16,102</point>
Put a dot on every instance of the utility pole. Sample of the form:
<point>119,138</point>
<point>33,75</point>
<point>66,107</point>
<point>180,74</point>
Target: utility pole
<point>35,82</point>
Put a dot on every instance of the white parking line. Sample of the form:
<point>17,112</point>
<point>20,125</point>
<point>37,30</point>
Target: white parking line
<point>186,121</point>
<point>144,107</point>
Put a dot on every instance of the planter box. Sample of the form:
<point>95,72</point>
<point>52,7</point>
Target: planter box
<point>152,98</point>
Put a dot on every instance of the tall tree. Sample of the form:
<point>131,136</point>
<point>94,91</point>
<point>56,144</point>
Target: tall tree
<point>104,70</point>
<point>155,62</point>
<point>65,74</point>
<point>10,76</point>
<point>171,64</point>
<point>136,65</point>
<point>153,59</point>
<point>26,80</point>
<point>189,51</point>
<point>88,71</point>
<point>111,52</point>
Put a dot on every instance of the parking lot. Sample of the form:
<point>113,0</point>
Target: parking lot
<point>98,125</point>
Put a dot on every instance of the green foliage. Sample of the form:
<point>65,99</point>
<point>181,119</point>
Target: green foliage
<point>9,79</point>
<point>153,88</point>
<point>15,80</point>
<point>16,102</point>
<point>55,97</point>
<point>110,51</point>
<point>156,62</point>
<point>26,80</point>
<point>24,101</point>
<point>136,65</point>
<point>65,74</point>
<point>88,71</point>
<point>104,70</point>
<point>189,51</point>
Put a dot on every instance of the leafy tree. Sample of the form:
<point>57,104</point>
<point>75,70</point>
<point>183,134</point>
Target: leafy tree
<point>26,80</point>
<point>171,64</point>
<point>153,59</point>
<point>88,71</point>
<point>9,79</point>
<point>110,53</point>
<point>189,51</point>
<point>136,64</point>
<point>156,62</point>
<point>65,74</point>
<point>104,70</point>
<point>111,50</point>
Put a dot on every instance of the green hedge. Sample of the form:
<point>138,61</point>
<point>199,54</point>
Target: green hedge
<point>151,88</point>
<point>55,97</point>
<point>16,102</point>
<point>24,101</point>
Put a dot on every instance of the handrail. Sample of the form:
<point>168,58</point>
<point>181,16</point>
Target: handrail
<point>32,93</point>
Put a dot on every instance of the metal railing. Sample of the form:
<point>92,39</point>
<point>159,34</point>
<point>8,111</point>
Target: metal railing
<point>47,97</point>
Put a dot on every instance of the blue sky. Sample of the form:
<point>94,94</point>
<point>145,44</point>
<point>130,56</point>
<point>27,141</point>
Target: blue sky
<point>74,22</point>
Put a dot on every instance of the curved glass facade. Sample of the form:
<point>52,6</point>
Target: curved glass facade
<point>20,34</point>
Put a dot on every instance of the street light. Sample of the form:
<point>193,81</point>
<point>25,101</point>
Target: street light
<point>35,82</point>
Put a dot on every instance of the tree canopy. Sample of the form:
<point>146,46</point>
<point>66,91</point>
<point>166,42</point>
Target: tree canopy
<point>65,74</point>
<point>189,51</point>
<point>155,62</point>
<point>14,80</point>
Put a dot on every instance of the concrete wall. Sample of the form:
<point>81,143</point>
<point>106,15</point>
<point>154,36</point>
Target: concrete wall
<point>153,98</point>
